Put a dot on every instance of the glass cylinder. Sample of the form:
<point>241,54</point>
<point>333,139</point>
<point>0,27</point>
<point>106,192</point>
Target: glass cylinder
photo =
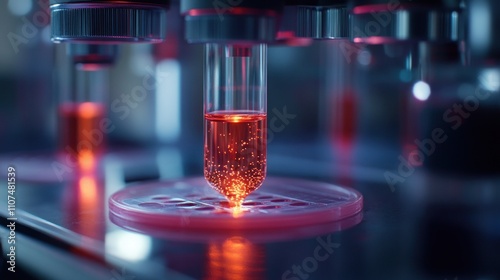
<point>235,96</point>
<point>82,126</point>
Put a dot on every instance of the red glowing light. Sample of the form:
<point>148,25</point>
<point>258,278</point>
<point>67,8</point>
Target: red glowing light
<point>374,40</point>
<point>236,259</point>
<point>232,11</point>
<point>79,129</point>
<point>389,7</point>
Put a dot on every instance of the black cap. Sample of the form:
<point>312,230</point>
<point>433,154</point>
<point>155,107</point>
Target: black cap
<point>110,21</point>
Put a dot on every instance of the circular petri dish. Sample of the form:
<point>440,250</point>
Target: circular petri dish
<point>192,204</point>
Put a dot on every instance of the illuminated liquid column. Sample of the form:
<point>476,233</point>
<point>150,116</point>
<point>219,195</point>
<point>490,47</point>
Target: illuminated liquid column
<point>82,127</point>
<point>235,93</point>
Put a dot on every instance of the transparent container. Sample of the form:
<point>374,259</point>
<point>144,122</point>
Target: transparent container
<point>81,114</point>
<point>83,127</point>
<point>235,96</point>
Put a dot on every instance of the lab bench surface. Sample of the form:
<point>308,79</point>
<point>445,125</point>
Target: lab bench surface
<point>424,227</point>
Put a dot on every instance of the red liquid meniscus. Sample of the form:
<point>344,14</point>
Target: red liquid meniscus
<point>235,153</point>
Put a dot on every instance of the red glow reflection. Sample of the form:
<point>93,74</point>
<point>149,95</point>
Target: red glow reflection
<point>375,40</point>
<point>411,110</point>
<point>288,38</point>
<point>92,66</point>
<point>344,132</point>
<point>232,11</point>
<point>389,7</point>
<point>235,259</point>
<point>84,199</point>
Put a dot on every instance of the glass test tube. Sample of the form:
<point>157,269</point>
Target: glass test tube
<point>235,96</point>
<point>81,112</point>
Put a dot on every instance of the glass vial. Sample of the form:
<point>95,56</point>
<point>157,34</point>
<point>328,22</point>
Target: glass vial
<point>235,96</point>
<point>82,110</point>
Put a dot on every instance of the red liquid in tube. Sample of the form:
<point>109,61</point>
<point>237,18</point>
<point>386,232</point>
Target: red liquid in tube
<point>80,128</point>
<point>235,153</point>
